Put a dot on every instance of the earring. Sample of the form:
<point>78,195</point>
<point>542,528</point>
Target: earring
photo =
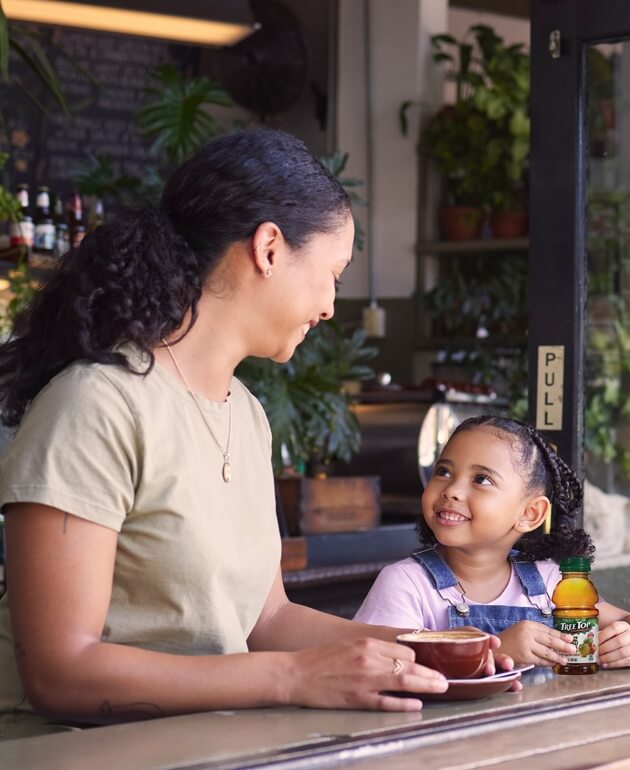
<point>268,273</point>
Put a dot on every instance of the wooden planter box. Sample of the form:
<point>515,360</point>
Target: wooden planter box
<point>336,504</point>
<point>293,554</point>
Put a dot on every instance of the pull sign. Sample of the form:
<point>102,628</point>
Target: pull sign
<point>550,394</point>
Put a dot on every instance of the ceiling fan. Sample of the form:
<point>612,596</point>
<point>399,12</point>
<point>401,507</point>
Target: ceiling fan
<point>266,72</point>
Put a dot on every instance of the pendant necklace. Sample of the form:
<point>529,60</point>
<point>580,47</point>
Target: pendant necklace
<point>226,470</point>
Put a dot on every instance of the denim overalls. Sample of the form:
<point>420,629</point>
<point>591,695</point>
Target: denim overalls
<point>492,618</point>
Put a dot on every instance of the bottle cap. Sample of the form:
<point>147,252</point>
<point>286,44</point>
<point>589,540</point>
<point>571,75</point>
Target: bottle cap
<point>575,564</point>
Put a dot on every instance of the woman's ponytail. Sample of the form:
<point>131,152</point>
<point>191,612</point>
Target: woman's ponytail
<point>131,280</point>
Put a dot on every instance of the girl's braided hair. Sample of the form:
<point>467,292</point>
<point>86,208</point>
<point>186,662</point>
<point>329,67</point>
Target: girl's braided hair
<point>544,471</point>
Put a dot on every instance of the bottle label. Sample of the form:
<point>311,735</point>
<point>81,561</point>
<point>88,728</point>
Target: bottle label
<point>585,638</point>
<point>44,236</point>
<point>21,233</point>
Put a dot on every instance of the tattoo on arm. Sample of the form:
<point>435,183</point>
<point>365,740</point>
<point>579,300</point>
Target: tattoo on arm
<point>129,711</point>
<point>65,523</point>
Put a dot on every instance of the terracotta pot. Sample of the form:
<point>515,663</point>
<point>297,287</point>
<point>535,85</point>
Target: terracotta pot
<point>509,224</point>
<point>461,223</point>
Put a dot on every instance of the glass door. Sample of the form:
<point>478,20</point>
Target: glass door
<point>579,326</point>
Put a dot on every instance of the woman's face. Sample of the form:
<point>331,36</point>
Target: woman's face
<point>476,496</point>
<point>303,287</point>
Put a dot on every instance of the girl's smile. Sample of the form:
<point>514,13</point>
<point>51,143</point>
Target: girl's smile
<point>450,518</point>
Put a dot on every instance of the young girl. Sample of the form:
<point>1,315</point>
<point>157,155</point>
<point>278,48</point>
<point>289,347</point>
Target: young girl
<point>484,558</point>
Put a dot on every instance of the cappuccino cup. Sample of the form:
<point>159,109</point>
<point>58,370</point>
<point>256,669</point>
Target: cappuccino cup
<point>458,654</point>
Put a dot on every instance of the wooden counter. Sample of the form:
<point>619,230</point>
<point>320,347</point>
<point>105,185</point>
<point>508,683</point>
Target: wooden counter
<point>555,722</point>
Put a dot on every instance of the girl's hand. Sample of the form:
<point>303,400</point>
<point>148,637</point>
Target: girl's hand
<point>614,645</point>
<point>531,642</point>
<point>358,674</point>
<point>499,660</point>
<point>496,660</point>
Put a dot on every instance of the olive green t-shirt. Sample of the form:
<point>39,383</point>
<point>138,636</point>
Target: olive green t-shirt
<point>196,557</point>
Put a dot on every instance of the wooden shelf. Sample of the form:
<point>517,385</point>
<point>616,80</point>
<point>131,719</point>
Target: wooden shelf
<point>36,273</point>
<point>494,245</point>
<point>394,396</point>
<point>494,342</point>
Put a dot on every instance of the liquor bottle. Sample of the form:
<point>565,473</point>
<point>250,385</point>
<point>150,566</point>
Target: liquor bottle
<point>62,231</point>
<point>77,225</point>
<point>44,242</point>
<point>575,613</point>
<point>21,233</point>
<point>97,216</point>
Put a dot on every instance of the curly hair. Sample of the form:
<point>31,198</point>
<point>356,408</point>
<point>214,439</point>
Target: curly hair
<point>134,278</point>
<point>544,472</point>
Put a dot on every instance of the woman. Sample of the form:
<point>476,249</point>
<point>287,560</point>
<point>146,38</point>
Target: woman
<point>142,546</point>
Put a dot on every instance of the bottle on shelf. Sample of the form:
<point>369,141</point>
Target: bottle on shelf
<point>21,233</point>
<point>575,613</point>
<point>62,231</point>
<point>97,215</point>
<point>44,240</point>
<point>77,225</point>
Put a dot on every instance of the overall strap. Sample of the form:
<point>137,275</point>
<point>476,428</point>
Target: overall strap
<point>528,574</point>
<point>439,571</point>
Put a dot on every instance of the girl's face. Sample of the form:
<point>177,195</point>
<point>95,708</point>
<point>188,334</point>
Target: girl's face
<point>476,497</point>
<point>304,287</point>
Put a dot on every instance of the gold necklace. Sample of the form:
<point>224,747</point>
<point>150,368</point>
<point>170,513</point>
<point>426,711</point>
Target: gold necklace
<point>226,470</point>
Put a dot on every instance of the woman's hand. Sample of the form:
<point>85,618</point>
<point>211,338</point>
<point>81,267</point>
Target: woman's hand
<point>531,642</point>
<point>359,674</point>
<point>614,645</point>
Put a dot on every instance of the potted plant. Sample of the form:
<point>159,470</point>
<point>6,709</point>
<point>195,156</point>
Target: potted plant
<point>479,309</point>
<point>501,93</point>
<point>10,211</point>
<point>607,363</point>
<point>313,425</point>
<point>481,142</point>
<point>457,139</point>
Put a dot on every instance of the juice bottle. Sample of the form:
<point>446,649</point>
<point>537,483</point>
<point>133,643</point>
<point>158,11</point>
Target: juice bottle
<point>575,613</point>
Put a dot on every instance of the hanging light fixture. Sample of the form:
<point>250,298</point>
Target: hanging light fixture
<point>189,29</point>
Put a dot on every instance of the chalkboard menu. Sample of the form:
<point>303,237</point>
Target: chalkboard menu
<point>104,77</point>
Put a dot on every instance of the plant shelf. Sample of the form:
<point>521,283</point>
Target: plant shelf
<point>467,343</point>
<point>498,245</point>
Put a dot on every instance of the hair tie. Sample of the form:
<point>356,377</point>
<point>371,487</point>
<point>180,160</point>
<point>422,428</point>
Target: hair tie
<point>547,521</point>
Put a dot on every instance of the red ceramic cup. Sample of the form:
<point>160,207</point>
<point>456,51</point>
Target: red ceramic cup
<point>458,654</point>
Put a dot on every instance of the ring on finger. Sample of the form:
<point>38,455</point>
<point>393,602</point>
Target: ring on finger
<point>398,666</point>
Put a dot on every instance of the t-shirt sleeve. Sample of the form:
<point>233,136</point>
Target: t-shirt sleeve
<point>75,449</point>
<point>393,600</point>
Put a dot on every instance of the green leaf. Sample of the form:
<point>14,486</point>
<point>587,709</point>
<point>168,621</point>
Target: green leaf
<point>36,59</point>
<point>308,411</point>
<point>176,118</point>
<point>403,121</point>
<point>437,40</point>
